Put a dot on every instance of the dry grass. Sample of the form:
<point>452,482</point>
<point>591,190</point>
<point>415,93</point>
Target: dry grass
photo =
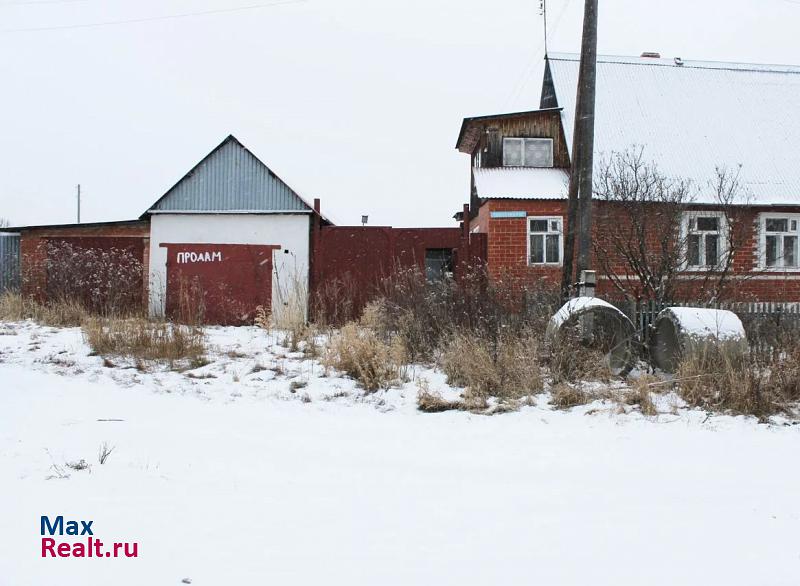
<point>362,355</point>
<point>565,396</point>
<point>507,368</point>
<point>431,402</point>
<point>640,394</point>
<point>570,361</point>
<point>720,378</point>
<point>63,313</point>
<point>145,340</point>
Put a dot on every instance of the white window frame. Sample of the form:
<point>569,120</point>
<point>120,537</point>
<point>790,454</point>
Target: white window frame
<point>762,240</point>
<point>560,233</point>
<point>522,154</point>
<point>722,245</point>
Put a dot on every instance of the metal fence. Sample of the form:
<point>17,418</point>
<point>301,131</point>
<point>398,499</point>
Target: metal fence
<point>9,262</point>
<point>754,315</point>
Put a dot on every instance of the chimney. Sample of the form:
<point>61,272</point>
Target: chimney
<point>651,55</point>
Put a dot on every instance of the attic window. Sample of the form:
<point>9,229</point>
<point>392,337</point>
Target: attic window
<point>527,152</point>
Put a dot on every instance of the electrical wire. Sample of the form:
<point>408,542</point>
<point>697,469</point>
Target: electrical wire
<point>150,18</point>
<point>522,82</point>
<point>36,3</point>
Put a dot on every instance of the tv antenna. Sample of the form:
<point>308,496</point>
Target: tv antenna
<point>543,13</point>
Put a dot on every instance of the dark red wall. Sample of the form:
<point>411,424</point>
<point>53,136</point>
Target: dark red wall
<point>349,262</point>
<point>218,283</point>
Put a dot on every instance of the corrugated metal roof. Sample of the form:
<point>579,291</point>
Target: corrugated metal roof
<point>694,117</point>
<point>231,179</point>
<point>521,182</point>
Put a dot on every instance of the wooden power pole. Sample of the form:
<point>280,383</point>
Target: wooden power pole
<point>579,205</point>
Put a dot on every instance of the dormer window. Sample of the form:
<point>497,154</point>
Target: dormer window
<point>527,152</point>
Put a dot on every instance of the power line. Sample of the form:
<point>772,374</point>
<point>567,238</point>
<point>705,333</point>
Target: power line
<point>35,3</point>
<point>150,18</point>
<point>523,80</point>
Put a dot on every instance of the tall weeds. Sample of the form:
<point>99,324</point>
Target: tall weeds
<point>58,313</point>
<point>719,378</point>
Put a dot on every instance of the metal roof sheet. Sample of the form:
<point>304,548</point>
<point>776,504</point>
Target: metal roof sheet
<point>231,179</point>
<point>521,182</point>
<point>694,117</point>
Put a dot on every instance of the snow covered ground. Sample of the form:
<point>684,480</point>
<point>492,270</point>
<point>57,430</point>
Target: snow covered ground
<point>236,479</point>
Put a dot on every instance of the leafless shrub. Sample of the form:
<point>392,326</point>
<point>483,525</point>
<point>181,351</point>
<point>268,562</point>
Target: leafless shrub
<point>105,281</point>
<point>146,340</point>
<point>104,452</point>
<point>423,315</point>
<point>361,354</point>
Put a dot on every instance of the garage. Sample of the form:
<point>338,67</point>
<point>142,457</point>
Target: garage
<point>226,238</point>
<point>218,283</point>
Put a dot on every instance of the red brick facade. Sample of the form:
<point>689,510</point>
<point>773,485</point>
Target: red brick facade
<point>508,252</point>
<point>34,240</point>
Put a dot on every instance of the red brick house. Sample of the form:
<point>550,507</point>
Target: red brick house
<point>690,118</point>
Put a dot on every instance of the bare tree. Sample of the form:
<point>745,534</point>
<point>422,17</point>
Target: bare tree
<point>648,232</point>
<point>4,223</point>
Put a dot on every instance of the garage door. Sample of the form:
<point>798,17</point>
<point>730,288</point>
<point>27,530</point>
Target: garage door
<point>218,283</point>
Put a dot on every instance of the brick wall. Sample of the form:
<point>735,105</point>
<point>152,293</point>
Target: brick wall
<point>508,250</point>
<point>33,249</point>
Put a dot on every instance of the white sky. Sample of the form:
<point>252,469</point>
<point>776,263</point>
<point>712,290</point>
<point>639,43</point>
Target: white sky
<point>357,102</point>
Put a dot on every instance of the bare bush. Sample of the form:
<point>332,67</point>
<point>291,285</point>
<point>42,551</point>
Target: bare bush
<point>106,281</point>
<point>424,315</point>
<point>104,452</point>
<point>145,340</point>
<point>362,355</point>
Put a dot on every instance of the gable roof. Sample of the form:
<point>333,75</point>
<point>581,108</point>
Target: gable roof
<point>230,179</point>
<point>472,127</point>
<point>692,116</point>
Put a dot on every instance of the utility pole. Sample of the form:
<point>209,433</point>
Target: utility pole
<point>79,203</point>
<point>589,83</point>
<point>579,206</point>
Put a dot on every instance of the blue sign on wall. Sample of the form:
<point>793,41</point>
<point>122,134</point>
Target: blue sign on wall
<point>508,214</point>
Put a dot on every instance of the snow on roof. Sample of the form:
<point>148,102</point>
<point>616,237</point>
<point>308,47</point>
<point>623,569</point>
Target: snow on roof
<point>693,117</point>
<point>701,322</point>
<point>521,182</point>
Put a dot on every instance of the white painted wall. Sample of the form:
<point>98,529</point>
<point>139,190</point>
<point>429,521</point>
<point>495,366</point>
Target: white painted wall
<point>289,231</point>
